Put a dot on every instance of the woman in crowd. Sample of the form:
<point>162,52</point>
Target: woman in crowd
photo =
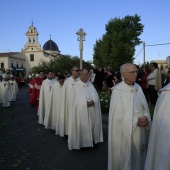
<point>117,78</point>
<point>144,82</point>
<point>109,78</point>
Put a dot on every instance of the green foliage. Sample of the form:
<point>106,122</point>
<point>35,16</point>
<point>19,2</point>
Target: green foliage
<point>61,64</point>
<point>151,109</point>
<point>104,101</point>
<point>117,45</point>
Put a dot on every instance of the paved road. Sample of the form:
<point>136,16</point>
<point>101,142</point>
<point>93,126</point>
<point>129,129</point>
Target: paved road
<point>26,145</point>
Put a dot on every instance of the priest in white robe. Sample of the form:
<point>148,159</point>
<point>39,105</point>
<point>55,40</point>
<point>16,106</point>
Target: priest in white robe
<point>5,95</point>
<point>85,122</point>
<point>13,88</point>
<point>52,117</point>
<point>65,105</point>
<point>129,125</point>
<point>158,156</point>
<point>45,96</point>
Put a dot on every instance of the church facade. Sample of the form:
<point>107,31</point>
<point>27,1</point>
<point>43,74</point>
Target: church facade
<point>31,54</point>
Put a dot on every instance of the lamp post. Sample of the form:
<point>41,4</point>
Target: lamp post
<point>81,37</point>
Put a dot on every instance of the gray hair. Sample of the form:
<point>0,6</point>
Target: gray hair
<point>82,70</point>
<point>124,67</point>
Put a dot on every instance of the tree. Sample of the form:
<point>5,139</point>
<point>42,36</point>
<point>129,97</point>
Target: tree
<point>61,64</point>
<point>117,45</point>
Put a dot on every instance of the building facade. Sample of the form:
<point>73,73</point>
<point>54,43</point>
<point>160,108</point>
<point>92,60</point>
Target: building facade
<point>30,55</point>
<point>33,52</point>
<point>162,64</point>
<point>12,61</point>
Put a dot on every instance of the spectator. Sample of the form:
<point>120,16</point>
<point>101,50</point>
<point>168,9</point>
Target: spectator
<point>154,82</point>
<point>109,78</point>
<point>144,82</point>
<point>92,76</point>
<point>98,82</point>
<point>117,79</point>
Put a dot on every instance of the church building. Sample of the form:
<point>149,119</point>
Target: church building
<point>31,54</point>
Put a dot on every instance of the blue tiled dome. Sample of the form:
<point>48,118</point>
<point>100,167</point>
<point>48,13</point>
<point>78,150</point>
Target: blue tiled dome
<point>50,45</point>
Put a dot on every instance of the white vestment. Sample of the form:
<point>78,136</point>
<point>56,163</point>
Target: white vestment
<point>158,156</point>
<point>65,103</point>
<point>13,89</point>
<point>52,114</point>
<point>127,143</point>
<point>5,96</point>
<point>85,123</point>
<point>44,98</point>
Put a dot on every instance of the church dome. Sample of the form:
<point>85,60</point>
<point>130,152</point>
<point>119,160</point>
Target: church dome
<point>50,45</point>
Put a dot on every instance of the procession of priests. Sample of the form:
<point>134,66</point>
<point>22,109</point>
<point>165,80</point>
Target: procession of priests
<point>8,90</point>
<point>71,107</point>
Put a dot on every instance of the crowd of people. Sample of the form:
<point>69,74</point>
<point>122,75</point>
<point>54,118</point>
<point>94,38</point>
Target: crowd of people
<point>149,77</point>
<point>70,106</point>
<point>8,90</point>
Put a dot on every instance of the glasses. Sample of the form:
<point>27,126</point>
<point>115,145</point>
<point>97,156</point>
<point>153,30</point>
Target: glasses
<point>132,72</point>
<point>76,70</point>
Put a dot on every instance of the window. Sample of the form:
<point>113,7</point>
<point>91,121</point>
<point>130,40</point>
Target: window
<point>12,65</point>
<point>2,65</point>
<point>17,65</point>
<point>31,57</point>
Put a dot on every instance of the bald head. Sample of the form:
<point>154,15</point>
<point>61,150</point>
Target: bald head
<point>129,73</point>
<point>125,67</point>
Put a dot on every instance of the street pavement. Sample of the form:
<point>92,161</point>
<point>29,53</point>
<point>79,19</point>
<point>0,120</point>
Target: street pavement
<point>27,145</point>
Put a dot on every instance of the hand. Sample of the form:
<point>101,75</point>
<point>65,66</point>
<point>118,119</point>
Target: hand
<point>90,103</point>
<point>142,121</point>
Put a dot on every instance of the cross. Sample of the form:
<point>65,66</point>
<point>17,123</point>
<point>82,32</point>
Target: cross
<point>32,22</point>
<point>50,36</point>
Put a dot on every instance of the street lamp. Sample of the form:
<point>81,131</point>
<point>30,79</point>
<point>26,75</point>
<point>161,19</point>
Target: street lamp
<point>81,37</point>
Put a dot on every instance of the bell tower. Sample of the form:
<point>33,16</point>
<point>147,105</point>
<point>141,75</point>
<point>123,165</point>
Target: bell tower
<point>32,43</point>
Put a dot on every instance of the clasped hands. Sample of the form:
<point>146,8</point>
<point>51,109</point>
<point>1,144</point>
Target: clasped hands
<point>90,103</point>
<point>142,121</point>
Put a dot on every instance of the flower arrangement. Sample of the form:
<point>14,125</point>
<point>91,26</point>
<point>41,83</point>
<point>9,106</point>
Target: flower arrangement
<point>104,101</point>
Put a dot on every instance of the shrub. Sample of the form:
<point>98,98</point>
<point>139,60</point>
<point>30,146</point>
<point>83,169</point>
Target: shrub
<point>104,102</point>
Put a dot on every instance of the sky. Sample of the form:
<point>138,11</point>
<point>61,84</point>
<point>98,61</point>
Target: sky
<point>63,18</point>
